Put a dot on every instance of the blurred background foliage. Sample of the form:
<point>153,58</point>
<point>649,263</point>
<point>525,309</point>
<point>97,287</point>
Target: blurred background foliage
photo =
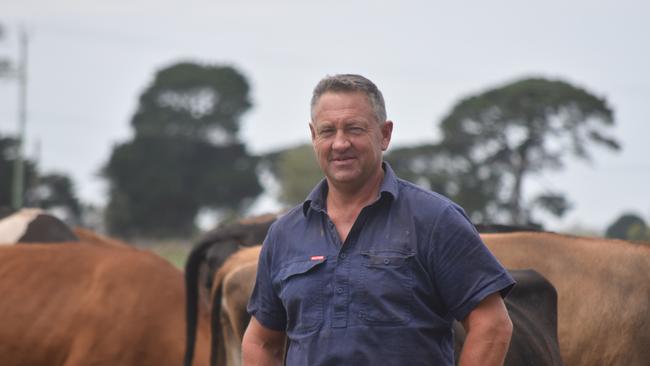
<point>186,156</point>
<point>53,191</point>
<point>494,141</point>
<point>629,226</point>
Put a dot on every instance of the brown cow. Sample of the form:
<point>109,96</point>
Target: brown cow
<point>87,236</point>
<point>603,292</point>
<point>73,304</point>
<point>208,255</point>
<point>232,286</point>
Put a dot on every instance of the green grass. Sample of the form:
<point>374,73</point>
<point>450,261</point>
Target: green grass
<point>174,251</point>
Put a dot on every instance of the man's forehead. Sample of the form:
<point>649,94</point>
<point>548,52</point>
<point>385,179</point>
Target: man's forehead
<point>332,97</point>
<point>343,102</point>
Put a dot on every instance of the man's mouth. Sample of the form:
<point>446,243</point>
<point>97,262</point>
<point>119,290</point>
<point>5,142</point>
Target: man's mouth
<point>342,158</point>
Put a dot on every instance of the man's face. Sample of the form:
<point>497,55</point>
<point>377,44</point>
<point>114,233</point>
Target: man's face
<point>347,138</point>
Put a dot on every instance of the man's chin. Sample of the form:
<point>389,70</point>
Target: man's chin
<point>344,177</point>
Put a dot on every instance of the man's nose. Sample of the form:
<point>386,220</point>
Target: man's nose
<point>341,141</point>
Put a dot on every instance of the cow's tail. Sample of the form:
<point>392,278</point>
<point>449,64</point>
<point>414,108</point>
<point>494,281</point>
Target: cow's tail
<point>217,349</point>
<point>192,268</point>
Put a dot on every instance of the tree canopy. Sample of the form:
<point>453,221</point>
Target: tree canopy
<point>193,101</point>
<point>493,140</point>
<point>8,151</point>
<point>296,170</point>
<point>186,153</point>
<point>629,226</point>
<point>51,191</point>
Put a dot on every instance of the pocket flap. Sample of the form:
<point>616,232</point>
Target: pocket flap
<point>297,268</point>
<point>386,258</point>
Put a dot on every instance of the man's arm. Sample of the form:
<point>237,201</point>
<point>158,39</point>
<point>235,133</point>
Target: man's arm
<point>262,346</point>
<point>489,330</point>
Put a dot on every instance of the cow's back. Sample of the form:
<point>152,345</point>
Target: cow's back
<point>73,304</point>
<point>603,292</point>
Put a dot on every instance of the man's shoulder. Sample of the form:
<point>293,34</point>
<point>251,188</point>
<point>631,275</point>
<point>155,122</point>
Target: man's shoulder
<point>429,206</point>
<point>413,192</point>
<point>288,221</point>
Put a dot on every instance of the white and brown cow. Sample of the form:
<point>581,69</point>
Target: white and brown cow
<point>31,225</point>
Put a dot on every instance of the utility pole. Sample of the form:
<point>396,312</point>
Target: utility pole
<point>18,188</point>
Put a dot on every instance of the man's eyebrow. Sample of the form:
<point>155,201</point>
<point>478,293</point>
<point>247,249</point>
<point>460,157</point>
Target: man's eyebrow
<point>353,123</point>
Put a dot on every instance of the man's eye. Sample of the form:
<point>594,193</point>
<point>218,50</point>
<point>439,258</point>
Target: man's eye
<point>326,132</point>
<point>355,130</point>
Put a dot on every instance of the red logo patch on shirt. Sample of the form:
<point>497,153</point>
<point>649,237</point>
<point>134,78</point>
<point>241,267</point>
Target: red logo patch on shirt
<point>317,257</point>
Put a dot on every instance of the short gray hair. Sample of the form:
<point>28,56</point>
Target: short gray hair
<point>351,83</point>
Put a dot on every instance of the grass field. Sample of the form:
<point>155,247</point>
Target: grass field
<point>174,251</point>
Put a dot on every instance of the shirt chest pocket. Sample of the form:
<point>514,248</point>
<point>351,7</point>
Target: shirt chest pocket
<point>387,282</point>
<point>301,292</point>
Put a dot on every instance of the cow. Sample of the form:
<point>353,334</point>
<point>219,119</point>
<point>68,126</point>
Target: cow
<point>208,255</point>
<point>95,302</point>
<point>34,225</point>
<point>532,305</point>
<point>87,236</point>
<point>227,239</point>
<point>232,286</point>
<point>603,290</point>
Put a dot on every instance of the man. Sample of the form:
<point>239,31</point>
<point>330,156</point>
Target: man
<point>371,269</point>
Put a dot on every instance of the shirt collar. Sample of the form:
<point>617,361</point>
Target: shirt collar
<point>316,199</point>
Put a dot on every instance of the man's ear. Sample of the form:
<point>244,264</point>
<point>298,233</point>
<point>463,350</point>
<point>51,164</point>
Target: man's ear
<point>313,131</point>
<point>386,134</point>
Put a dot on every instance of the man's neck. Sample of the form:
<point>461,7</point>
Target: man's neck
<point>345,205</point>
<point>349,197</point>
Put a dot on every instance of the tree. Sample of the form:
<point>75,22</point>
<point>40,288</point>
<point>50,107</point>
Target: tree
<point>468,184</point>
<point>629,226</point>
<point>492,141</point>
<point>55,191</point>
<point>52,191</point>
<point>8,152</point>
<point>186,154</point>
<point>296,170</point>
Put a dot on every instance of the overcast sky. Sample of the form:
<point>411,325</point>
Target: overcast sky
<point>90,60</point>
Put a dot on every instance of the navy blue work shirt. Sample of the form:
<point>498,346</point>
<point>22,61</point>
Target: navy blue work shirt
<point>411,263</point>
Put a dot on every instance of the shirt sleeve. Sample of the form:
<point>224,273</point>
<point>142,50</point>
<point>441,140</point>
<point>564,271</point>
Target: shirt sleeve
<point>465,270</point>
<point>264,303</point>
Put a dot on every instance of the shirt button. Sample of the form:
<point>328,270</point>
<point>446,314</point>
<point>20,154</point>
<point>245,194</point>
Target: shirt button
<point>339,290</point>
<point>342,255</point>
<point>386,261</point>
